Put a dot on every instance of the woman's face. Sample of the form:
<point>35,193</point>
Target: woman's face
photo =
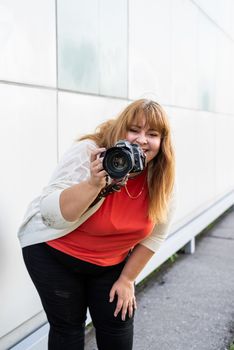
<point>148,139</point>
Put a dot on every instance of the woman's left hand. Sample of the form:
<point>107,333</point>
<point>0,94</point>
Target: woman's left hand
<point>124,289</point>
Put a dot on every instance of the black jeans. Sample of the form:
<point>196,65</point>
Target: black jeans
<point>67,286</point>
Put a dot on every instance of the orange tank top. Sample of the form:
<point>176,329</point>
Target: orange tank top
<point>114,229</point>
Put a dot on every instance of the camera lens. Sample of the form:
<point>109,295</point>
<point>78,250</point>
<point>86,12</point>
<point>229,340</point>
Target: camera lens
<point>117,163</point>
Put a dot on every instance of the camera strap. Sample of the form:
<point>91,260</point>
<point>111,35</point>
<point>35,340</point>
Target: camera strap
<point>114,186</point>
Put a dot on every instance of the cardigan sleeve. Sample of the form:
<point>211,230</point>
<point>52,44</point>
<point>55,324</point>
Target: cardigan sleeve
<point>160,231</point>
<point>73,168</point>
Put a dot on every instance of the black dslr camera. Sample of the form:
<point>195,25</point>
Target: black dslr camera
<point>123,158</point>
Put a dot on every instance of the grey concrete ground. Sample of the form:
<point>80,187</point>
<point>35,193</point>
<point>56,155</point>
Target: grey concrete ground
<point>189,305</point>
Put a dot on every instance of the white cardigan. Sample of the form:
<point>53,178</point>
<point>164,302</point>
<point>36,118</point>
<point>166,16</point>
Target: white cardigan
<point>43,220</point>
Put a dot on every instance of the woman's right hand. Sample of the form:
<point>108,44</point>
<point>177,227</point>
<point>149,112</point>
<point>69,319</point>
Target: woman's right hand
<point>76,199</point>
<point>97,173</point>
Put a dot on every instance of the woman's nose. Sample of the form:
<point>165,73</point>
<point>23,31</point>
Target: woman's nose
<point>141,139</point>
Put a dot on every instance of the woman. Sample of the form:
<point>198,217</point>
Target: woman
<point>84,250</point>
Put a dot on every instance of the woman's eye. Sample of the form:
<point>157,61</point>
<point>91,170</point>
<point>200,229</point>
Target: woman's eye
<point>156,134</point>
<point>132,130</point>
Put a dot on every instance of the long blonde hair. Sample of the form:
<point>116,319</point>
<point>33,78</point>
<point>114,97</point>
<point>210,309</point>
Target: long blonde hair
<point>161,169</point>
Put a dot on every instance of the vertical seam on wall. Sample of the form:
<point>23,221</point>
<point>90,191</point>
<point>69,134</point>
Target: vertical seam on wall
<point>127,49</point>
<point>215,152</point>
<point>57,111</point>
<point>171,4</point>
<point>98,45</point>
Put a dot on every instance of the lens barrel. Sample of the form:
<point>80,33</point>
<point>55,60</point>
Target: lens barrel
<point>118,162</point>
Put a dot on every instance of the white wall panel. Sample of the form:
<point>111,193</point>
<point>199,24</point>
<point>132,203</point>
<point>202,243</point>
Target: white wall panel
<point>217,10</point>
<point>92,46</point>
<point>28,155</point>
<point>184,54</point>
<point>194,141</point>
<point>225,16</point>
<point>81,114</point>
<point>224,95</point>
<point>113,47</point>
<point>231,78</point>
<point>207,63</point>
<point>27,41</point>
<point>231,22</point>
<point>78,56</point>
<point>224,164</point>
<point>150,49</point>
